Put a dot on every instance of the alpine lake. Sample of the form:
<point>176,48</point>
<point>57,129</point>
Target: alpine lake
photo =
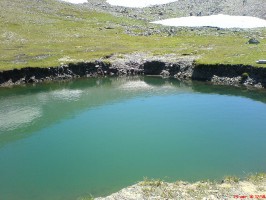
<point>64,140</point>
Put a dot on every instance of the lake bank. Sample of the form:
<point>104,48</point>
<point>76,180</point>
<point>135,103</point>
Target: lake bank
<point>230,188</point>
<point>170,65</point>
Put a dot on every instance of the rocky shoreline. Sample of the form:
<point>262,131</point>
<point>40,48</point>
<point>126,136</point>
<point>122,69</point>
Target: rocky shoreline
<point>253,187</point>
<point>182,68</point>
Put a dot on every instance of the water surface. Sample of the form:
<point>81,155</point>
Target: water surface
<point>96,136</point>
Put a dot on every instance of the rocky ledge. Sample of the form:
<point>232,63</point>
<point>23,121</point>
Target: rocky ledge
<point>253,187</point>
<point>180,67</point>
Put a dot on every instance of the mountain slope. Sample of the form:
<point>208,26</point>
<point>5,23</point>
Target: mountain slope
<point>44,33</point>
<point>182,8</point>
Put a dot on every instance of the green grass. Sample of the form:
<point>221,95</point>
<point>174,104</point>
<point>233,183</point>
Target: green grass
<point>89,197</point>
<point>231,179</point>
<point>53,33</point>
<point>257,178</point>
<point>151,182</point>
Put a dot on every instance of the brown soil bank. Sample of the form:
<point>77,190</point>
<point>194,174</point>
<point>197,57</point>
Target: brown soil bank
<point>139,64</point>
<point>230,188</point>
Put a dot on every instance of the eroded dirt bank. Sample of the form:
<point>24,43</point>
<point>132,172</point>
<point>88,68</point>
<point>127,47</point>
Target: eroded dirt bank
<point>141,64</point>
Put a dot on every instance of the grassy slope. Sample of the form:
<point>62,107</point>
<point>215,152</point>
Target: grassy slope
<point>46,33</point>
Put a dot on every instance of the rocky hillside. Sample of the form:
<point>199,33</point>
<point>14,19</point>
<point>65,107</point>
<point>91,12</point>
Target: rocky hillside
<point>181,8</point>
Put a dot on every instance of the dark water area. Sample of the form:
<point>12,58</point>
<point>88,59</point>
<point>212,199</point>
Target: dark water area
<point>95,136</point>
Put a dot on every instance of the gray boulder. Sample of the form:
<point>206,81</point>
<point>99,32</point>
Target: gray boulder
<point>253,41</point>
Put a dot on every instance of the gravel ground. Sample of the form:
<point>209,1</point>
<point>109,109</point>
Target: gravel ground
<point>230,188</point>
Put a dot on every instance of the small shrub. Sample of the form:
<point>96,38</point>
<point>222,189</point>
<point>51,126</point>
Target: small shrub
<point>105,61</point>
<point>203,186</point>
<point>258,177</point>
<point>151,182</point>
<point>244,76</point>
<point>231,179</point>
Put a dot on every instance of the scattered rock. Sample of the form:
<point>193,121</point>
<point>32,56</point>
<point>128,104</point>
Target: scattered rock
<point>226,80</point>
<point>165,73</point>
<point>253,41</point>
<point>32,80</point>
<point>109,27</point>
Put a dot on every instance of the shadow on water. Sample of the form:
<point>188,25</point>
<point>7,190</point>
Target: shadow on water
<point>208,88</point>
<point>27,109</point>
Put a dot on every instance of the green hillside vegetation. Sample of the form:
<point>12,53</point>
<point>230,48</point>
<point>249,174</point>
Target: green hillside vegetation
<point>45,33</point>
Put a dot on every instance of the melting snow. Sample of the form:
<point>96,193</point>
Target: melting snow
<point>221,21</point>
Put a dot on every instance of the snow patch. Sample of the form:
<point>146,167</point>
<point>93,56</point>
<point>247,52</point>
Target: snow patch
<point>138,3</point>
<point>221,21</point>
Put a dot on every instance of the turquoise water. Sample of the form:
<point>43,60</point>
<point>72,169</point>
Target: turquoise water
<point>96,136</point>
